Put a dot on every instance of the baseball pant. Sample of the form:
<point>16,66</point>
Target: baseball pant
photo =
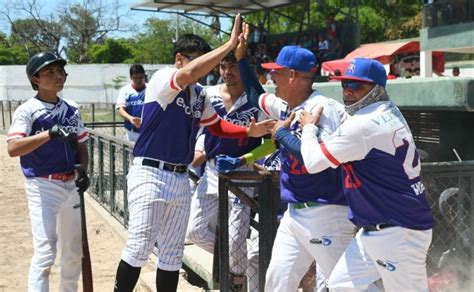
<point>203,220</point>
<point>319,233</point>
<point>55,224</point>
<point>158,202</point>
<point>396,254</point>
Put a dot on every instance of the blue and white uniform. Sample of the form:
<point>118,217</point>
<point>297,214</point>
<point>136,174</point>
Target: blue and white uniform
<point>315,226</point>
<point>384,190</point>
<point>205,203</point>
<point>132,101</point>
<point>51,191</point>
<point>158,186</point>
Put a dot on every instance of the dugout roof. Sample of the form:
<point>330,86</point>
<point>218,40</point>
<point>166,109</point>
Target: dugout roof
<point>217,7</point>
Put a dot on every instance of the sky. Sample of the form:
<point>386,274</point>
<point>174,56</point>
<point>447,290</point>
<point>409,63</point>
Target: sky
<point>134,20</point>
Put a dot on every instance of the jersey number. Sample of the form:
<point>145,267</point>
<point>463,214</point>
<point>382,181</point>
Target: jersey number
<point>402,137</point>
<point>351,181</point>
<point>296,167</point>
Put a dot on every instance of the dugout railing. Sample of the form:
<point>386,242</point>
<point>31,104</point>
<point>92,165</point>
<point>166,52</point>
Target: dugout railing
<point>449,186</point>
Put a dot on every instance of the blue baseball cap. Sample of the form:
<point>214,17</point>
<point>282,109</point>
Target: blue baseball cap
<point>293,57</point>
<point>364,69</point>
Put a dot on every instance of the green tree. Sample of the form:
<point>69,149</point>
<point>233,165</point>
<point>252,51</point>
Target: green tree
<point>112,51</point>
<point>10,52</point>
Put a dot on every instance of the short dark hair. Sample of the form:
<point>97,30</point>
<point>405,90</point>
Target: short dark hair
<point>230,58</point>
<point>456,68</point>
<point>136,69</point>
<point>190,43</point>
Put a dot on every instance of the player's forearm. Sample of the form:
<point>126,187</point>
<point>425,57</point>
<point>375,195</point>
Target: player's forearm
<point>83,155</point>
<point>199,159</point>
<point>261,151</point>
<point>23,146</point>
<point>311,153</point>
<point>290,142</point>
<point>227,130</point>
<point>199,67</point>
<point>123,113</point>
<point>252,86</point>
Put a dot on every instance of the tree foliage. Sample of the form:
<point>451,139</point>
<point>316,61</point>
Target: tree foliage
<point>113,51</point>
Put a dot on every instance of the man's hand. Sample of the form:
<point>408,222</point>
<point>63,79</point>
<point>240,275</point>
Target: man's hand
<point>241,49</point>
<point>234,36</point>
<point>311,118</point>
<point>82,180</point>
<point>64,136</point>
<point>282,124</point>
<point>260,129</point>
<point>226,163</point>
<point>136,122</point>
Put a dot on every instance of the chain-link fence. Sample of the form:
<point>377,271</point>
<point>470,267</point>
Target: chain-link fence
<point>7,107</point>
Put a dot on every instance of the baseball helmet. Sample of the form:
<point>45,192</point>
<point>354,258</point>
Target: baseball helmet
<point>41,60</point>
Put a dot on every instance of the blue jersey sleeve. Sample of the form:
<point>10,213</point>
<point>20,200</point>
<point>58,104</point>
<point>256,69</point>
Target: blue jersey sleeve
<point>290,142</point>
<point>252,87</point>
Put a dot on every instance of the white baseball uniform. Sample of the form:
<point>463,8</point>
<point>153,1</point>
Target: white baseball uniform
<point>132,100</point>
<point>205,202</point>
<point>51,191</point>
<point>315,226</point>
<point>386,196</point>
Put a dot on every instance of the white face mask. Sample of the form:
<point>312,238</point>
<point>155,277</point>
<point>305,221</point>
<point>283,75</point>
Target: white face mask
<point>376,94</point>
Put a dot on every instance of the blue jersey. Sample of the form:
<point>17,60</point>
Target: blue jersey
<point>381,167</point>
<point>240,114</point>
<point>296,184</point>
<point>171,119</point>
<point>36,116</point>
<point>132,101</point>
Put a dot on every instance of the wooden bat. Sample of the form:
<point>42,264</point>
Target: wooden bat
<point>87,285</point>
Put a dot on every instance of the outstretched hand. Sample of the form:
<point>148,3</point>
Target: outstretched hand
<point>241,49</point>
<point>234,36</point>
<point>311,118</point>
<point>260,129</point>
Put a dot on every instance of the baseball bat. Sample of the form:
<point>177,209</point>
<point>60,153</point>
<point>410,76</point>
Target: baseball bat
<point>87,285</point>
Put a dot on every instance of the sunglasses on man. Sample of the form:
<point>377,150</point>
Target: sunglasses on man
<point>353,84</point>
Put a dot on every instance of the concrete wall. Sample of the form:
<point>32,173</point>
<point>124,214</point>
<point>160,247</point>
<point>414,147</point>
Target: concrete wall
<point>85,83</point>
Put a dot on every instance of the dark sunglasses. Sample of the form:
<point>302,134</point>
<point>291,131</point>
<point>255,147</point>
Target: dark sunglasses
<point>354,85</point>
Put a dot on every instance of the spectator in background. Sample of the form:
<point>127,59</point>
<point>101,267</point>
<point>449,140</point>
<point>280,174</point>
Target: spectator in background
<point>456,71</point>
<point>331,26</point>
<point>213,77</point>
<point>130,102</point>
<point>307,43</point>
<point>323,47</point>
<point>333,48</point>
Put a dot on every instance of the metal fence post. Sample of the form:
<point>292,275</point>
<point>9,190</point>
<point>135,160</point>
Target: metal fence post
<point>268,204</point>
<point>100,147</point>
<point>112,176</point>
<point>10,111</point>
<point>93,114</point>
<point>124,184</point>
<point>223,235</point>
<point>3,117</point>
<point>113,119</point>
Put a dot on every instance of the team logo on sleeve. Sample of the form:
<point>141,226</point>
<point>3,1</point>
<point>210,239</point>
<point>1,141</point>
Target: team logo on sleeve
<point>390,266</point>
<point>324,240</point>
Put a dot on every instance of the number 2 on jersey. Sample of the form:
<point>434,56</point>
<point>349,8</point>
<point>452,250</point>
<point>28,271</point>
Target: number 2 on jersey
<point>403,137</point>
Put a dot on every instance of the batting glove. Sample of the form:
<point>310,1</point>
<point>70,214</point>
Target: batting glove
<point>226,163</point>
<point>64,136</point>
<point>82,181</point>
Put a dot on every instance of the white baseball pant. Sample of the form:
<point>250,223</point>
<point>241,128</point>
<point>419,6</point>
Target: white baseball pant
<point>55,224</point>
<point>395,254</point>
<point>158,202</point>
<point>204,214</point>
<point>319,233</point>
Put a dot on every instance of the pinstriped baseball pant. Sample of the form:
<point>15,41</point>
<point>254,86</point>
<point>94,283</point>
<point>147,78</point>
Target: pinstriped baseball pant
<point>158,202</point>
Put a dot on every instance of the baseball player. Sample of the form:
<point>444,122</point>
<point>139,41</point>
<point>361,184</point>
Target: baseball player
<point>231,104</point>
<point>315,226</point>
<point>130,102</point>
<point>381,182</point>
<point>48,135</point>
<point>159,193</point>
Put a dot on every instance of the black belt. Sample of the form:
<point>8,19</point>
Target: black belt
<point>377,227</point>
<point>178,168</point>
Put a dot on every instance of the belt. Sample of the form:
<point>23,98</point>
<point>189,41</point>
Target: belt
<point>60,176</point>
<point>377,227</point>
<point>304,205</point>
<point>178,168</point>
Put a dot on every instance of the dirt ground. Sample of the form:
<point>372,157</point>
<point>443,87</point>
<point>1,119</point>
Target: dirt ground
<point>16,246</point>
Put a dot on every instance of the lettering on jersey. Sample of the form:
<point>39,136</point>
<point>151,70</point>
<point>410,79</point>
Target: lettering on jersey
<point>418,188</point>
<point>59,115</point>
<point>387,117</point>
<point>324,240</point>
<point>390,266</point>
<point>190,111</point>
<point>240,118</point>
<point>134,102</point>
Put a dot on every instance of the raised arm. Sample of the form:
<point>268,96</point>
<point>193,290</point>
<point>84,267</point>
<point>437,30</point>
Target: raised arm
<point>202,65</point>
